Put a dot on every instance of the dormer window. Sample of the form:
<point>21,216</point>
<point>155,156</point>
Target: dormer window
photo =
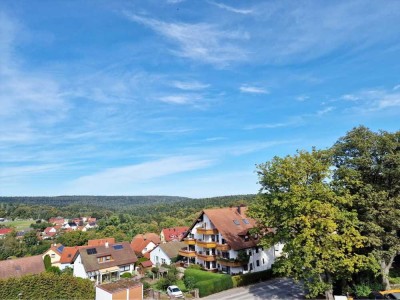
<point>246,238</point>
<point>104,258</point>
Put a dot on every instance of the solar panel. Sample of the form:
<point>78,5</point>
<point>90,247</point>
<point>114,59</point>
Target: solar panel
<point>118,247</point>
<point>91,251</point>
<point>60,249</point>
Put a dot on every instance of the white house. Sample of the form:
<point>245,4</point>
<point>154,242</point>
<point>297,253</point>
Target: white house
<point>104,263</point>
<point>221,239</point>
<point>165,253</point>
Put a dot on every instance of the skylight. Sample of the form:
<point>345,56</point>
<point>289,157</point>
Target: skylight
<point>91,251</point>
<point>118,247</point>
<point>236,222</point>
<point>245,221</point>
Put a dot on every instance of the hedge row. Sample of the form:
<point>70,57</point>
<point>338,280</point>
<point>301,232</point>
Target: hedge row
<point>249,278</point>
<point>212,286</point>
<point>46,286</point>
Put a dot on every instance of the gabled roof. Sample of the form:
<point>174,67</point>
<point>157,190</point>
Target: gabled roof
<point>68,254</point>
<point>171,248</point>
<point>21,266</point>
<point>233,224</point>
<point>100,242</point>
<point>57,248</point>
<point>175,233</point>
<point>121,254</point>
<point>140,241</point>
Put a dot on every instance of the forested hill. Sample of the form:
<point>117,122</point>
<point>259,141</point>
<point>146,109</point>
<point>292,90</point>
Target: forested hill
<point>121,202</point>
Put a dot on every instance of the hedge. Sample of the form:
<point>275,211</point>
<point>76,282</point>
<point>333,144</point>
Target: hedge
<point>209,283</point>
<point>249,278</point>
<point>46,286</point>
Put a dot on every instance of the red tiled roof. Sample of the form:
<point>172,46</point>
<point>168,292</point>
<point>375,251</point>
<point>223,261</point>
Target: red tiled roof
<point>21,266</point>
<point>4,231</point>
<point>175,233</point>
<point>100,242</point>
<point>140,241</point>
<point>68,254</point>
<point>224,220</point>
<point>146,264</point>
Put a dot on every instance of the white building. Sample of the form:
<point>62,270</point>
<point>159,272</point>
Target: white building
<point>221,239</point>
<point>165,253</point>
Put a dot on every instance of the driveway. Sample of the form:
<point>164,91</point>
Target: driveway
<point>279,288</point>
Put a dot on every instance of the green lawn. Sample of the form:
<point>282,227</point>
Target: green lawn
<point>19,224</point>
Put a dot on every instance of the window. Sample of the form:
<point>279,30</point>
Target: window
<point>236,222</point>
<point>258,263</point>
<point>251,266</point>
<point>246,238</point>
<point>256,249</point>
<point>52,255</point>
<point>245,268</point>
<point>118,247</point>
<point>124,268</point>
<point>163,261</point>
<point>263,261</point>
<point>245,221</point>
<point>104,258</point>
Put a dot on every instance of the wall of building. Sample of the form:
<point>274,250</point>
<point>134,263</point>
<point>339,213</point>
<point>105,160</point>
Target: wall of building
<point>54,256</point>
<point>157,256</point>
<point>102,294</point>
<point>79,270</point>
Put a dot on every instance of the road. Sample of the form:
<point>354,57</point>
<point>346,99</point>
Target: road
<point>279,288</point>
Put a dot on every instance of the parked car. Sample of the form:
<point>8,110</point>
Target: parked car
<point>174,291</point>
<point>389,294</point>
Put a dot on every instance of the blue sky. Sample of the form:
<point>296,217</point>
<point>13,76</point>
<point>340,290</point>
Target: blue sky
<point>185,97</point>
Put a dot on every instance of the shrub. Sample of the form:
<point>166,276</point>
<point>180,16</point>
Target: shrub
<point>362,290</point>
<point>126,275</point>
<point>208,283</point>
<point>190,282</point>
<point>249,278</point>
<point>47,262</point>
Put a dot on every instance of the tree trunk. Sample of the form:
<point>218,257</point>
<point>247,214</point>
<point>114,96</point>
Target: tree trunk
<point>328,292</point>
<point>385,268</point>
<point>329,295</point>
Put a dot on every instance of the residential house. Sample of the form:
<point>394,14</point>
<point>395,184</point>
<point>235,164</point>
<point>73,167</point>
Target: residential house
<point>120,290</point>
<point>70,225</point>
<point>104,263</point>
<point>165,253</point>
<point>143,243</point>
<point>100,242</point>
<point>221,240</point>
<point>21,266</point>
<point>54,252</point>
<point>173,234</point>
<point>49,233</point>
<point>57,221</point>
<point>4,232</point>
<point>67,257</point>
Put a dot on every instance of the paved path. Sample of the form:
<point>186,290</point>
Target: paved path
<point>279,288</point>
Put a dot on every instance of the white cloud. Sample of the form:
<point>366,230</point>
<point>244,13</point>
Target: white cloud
<point>271,125</point>
<point>190,85</point>
<point>374,99</point>
<point>118,180</point>
<point>177,99</point>
<point>325,111</point>
<point>200,42</point>
<point>302,98</point>
<point>253,89</point>
<point>397,87</point>
<point>232,9</point>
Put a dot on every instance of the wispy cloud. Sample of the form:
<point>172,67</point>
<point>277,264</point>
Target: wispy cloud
<point>253,89</point>
<point>116,180</point>
<point>190,85</point>
<point>374,99</point>
<point>180,99</point>
<point>273,125</point>
<point>232,9</point>
<point>201,41</point>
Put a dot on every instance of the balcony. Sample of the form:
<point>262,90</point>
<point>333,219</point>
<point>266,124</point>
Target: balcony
<point>205,257</point>
<point>189,241</point>
<point>206,244</point>
<point>230,262</point>
<point>223,247</point>
<point>206,231</point>
<point>187,253</point>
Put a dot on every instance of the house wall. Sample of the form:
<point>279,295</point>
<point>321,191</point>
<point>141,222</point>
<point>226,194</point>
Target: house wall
<point>54,257</point>
<point>63,266</point>
<point>150,246</point>
<point>102,294</point>
<point>79,270</point>
<point>162,237</point>
<point>136,293</point>
<point>157,255</point>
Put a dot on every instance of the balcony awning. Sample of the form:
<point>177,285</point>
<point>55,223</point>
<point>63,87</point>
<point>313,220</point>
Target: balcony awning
<point>109,270</point>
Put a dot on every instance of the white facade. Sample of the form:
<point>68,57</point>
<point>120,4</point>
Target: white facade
<point>150,246</point>
<point>158,257</point>
<point>79,269</point>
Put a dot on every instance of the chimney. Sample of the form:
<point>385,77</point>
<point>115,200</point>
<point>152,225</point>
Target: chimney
<point>106,244</point>
<point>239,209</point>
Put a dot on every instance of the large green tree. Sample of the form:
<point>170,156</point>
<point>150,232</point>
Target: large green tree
<point>368,165</point>
<point>309,216</point>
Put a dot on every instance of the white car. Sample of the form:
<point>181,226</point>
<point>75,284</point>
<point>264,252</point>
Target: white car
<point>174,291</point>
